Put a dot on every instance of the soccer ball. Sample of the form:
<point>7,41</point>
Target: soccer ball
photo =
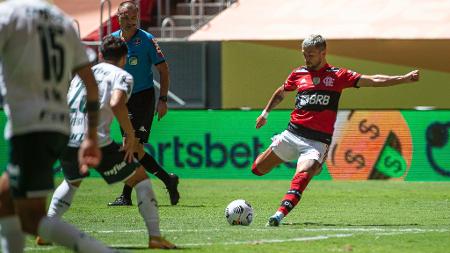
<point>239,212</point>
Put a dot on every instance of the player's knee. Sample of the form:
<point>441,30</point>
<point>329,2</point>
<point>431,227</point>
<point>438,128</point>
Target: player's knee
<point>312,167</point>
<point>318,170</point>
<point>76,184</point>
<point>255,170</point>
<point>139,176</point>
<point>6,203</point>
<point>30,216</point>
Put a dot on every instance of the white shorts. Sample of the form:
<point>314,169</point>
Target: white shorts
<point>289,146</point>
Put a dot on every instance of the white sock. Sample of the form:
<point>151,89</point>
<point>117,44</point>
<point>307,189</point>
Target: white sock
<point>12,238</point>
<point>59,232</point>
<point>279,214</point>
<point>62,199</point>
<point>148,207</point>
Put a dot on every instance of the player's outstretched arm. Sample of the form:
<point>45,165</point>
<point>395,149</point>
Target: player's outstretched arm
<point>118,105</point>
<point>276,98</point>
<point>89,154</point>
<point>385,80</point>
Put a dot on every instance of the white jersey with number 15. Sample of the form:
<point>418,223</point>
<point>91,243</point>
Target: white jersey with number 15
<point>39,49</point>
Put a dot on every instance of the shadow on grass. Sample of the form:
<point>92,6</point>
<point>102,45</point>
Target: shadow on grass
<point>193,206</point>
<point>345,225</point>
<point>139,248</point>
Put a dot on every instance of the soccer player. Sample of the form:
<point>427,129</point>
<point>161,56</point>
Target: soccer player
<point>115,86</point>
<point>143,52</point>
<point>39,49</point>
<point>309,132</point>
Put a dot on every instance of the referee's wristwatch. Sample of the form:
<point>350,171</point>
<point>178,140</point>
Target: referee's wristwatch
<point>163,98</point>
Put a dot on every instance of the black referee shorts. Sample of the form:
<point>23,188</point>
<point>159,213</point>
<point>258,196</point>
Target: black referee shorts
<point>141,110</point>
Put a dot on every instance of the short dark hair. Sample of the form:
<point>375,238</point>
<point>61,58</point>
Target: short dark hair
<point>125,3</point>
<point>113,48</point>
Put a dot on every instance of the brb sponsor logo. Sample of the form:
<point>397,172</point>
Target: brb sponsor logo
<point>314,99</point>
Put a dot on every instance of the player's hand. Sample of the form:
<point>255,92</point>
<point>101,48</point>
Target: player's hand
<point>413,76</point>
<point>260,121</point>
<point>161,109</point>
<point>128,144</point>
<point>89,155</point>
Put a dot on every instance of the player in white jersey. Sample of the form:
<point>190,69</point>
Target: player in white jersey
<point>118,164</point>
<point>39,49</point>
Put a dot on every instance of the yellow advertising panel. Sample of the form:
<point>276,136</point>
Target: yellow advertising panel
<point>251,71</point>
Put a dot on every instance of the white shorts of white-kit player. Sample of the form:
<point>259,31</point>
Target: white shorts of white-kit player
<point>289,147</point>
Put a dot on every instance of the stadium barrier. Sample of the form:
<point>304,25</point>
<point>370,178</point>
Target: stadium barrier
<point>368,144</point>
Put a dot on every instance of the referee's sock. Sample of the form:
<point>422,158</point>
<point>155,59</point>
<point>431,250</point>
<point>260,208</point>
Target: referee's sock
<point>153,167</point>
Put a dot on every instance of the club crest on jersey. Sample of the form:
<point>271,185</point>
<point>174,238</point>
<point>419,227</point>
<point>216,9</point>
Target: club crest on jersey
<point>133,60</point>
<point>137,41</point>
<point>328,81</point>
<point>316,80</point>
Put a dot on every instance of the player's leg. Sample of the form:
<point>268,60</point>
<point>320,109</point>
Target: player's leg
<point>12,239</point>
<point>65,192</point>
<point>312,155</point>
<point>281,150</point>
<point>143,130</point>
<point>31,179</point>
<point>63,195</point>
<point>148,208</point>
<point>134,175</point>
<point>62,198</point>
<point>141,107</point>
<point>265,162</point>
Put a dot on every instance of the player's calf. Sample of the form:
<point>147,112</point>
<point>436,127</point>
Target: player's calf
<point>265,162</point>
<point>148,208</point>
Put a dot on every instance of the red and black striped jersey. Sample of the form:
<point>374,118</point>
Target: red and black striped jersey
<point>317,99</point>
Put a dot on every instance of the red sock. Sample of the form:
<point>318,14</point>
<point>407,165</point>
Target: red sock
<point>292,197</point>
<point>256,171</point>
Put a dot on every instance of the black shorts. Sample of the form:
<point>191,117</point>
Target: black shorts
<point>141,110</point>
<point>112,168</point>
<point>31,161</point>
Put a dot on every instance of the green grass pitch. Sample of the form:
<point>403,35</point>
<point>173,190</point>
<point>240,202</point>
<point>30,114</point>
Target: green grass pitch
<point>333,216</point>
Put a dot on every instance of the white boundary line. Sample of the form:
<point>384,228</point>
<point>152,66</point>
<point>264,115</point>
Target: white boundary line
<point>297,239</point>
<point>378,232</point>
<point>338,229</point>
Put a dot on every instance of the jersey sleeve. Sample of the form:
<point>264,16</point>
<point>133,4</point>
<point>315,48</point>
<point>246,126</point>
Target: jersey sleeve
<point>124,81</point>
<point>291,82</point>
<point>348,78</point>
<point>5,24</point>
<point>156,54</point>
